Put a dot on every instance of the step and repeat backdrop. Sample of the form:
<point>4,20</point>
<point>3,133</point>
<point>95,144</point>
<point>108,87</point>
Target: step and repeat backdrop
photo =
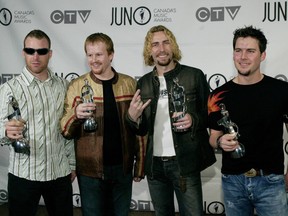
<point>204,31</point>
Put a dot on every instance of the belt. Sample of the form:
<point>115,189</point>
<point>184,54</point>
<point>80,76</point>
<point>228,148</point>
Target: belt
<point>165,158</point>
<point>256,172</point>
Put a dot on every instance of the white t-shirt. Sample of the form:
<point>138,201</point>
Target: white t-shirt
<point>163,140</point>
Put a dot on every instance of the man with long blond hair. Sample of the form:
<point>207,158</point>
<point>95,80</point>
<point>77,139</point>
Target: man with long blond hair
<point>170,107</point>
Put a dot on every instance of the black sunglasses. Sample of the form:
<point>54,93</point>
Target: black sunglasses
<point>31,51</point>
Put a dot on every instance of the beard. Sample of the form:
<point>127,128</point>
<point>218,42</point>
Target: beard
<point>164,63</point>
<point>244,73</point>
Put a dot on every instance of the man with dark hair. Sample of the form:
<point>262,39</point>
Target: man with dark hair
<point>41,160</point>
<point>246,117</point>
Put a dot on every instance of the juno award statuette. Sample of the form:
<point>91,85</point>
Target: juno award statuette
<point>19,145</point>
<point>179,103</point>
<point>90,124</point>
<point>231,128</point>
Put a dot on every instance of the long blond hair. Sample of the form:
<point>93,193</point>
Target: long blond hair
<point>148,44</point>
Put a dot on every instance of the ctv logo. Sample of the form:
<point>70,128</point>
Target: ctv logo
<point>213,14</point>
<point>69,16</point>
<point>6,77</point>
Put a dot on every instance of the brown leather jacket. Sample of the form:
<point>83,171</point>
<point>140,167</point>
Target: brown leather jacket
<point>89,146</point>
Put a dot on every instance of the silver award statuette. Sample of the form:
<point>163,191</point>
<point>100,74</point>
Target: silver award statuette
<point>179,103</point>
<point>231,128</point>
<point>19,145</point>
<point>90,124</point>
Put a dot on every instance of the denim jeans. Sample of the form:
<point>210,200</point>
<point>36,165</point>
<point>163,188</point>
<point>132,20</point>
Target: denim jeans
<point>108,196</point>
<point>265,194</point>
<point>165,181</point>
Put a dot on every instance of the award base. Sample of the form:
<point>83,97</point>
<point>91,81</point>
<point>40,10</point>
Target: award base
<point>21,146</point>
<point>178,129</point>
<point>238,152</point>
<point>90,125</point>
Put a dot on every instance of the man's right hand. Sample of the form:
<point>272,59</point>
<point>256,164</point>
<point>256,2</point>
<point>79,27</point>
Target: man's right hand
<point>137,106</point>
<point>83,110</point>
<point>228,142</point>
<point>14,128</point>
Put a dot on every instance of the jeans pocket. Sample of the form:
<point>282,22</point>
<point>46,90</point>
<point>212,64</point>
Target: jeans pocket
<point>273,178</point>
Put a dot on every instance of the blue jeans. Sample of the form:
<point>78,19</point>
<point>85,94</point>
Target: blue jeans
<point>264,193</point>
<point>108,196</point>
<point>165,181</point>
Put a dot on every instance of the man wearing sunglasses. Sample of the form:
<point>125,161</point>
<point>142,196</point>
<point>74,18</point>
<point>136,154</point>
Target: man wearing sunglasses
<point>46,168</point>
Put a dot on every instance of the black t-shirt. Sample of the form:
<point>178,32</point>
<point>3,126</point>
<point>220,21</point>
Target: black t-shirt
<point>112,146</point>
<point>259,111</point>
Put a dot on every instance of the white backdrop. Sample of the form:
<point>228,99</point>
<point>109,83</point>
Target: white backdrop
<point>204,30</point>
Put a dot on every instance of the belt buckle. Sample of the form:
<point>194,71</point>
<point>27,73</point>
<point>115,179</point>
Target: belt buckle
<point>164,159</point>
<point>251,173</point>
